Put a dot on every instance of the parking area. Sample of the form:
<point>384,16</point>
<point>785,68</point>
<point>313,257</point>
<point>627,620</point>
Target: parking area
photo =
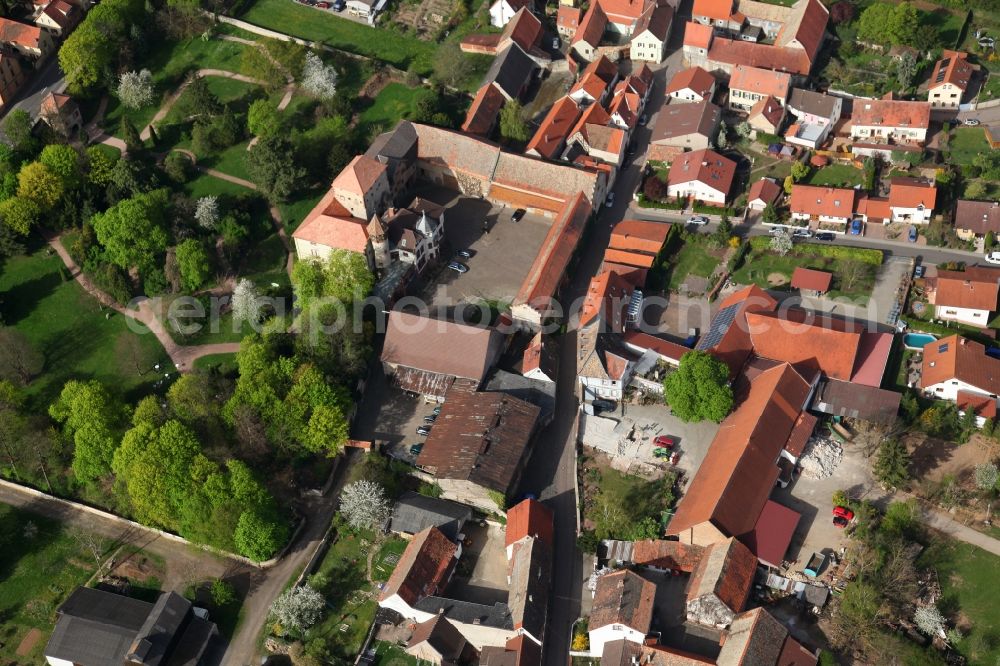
<point>481,576</point>
<point>628,439</point>
<point>502,251</point>
<point>394,424</point>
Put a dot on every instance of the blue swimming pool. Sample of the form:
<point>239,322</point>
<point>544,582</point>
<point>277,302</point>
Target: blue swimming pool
<point>917,340</point>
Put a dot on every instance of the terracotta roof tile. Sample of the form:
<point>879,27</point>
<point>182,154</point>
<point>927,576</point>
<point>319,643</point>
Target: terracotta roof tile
<point>629,258</point>
<point>811,279</point>
<point>769,109</point>
<point>625,11</point>
<point>983,405</point>
<point>891,113</point>
<point>530,518</point>
<point>815,201</point>
<point>736,477</point>
<point>771,536</point>
<point>592,26</point>
<point>728,336</point>
<point>524,29</point>
<point>624,598</point>
<point>568,18</point>
<point>959,358</point>
<point>642,235</point>
<point>656,19</point>
<point>483,112</point>
<point>805,29</point>
<point>359,175</point>
<point>726,570</point>
<point>607,296</point>
<point>664,348</point>
<point>794,654</point>
<point>907,192</point>
<point>755,637</point>
<point>551,136</point>
<point>704,166</point>
<point>697,35</point>
<point>719,10</point>
<point>695,78</point>
<point>664,554</point>
<point>766,190</point>
<point>331,225</point>
<point>423,568</point>
<point>873,208</point>
<point>761,81</point>
<point>953,68</point>
<point>976,287</point>
<point>765,56</point>
<point>810,342</point>
<point>801,433</point>
<point>22,34</point>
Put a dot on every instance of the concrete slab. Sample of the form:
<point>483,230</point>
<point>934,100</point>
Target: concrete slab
<point>486,581</point>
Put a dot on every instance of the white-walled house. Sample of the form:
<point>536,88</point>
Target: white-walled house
<point>882,120</point>
<point>622,609</point>
<point>503,11</point>
<point>703,175</point>
<point>825,204</point>
<point>815,116</point>
<point>693,84</point>
<point>950,79</point>
<point>968,296</point>
<point>955,364</point>
<point>912,200</point>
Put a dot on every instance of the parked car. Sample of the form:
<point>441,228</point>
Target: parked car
<point>518,214</point>
<point>826,236</point>
<point>430,418</point>
<point>992,258</point>
<point>437,410</point>
<point>815,565</point>
<point>803,233</point>
<point>458,267</point>
<point>424,430</point>
<point>556,43</point>
<point>971,122</point>
<point>323,5</point>
<point>843,512</point>
<point>604,405</point>
<point>919,271</point>
<point>644,119</point>
<point>666,441</point>
<point>840,523</point>
<point>778,231</point>
<point>610,201</point>
<point>856,226</point>
<point>465,254</point>
<point>912,235</point>
<point>416,449</point>
<point>698,220</point>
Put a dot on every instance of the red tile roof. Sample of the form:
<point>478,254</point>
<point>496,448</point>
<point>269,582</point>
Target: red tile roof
<point>629,10</point>
<point>719,10</point>
<point>550,263</point>
<point>811,279</point>
<point>891,113</point>
<point>530,518</point>
<point>592,26</point>
<point>726,570</point>
<point>629,258</point>
<point>664,348</point>
<point>624,598</point>
<point>483,112</point>
<point>983,405</point>
<point>953,68</point>
<point>733,344</point>
<point>697,79</point>
<point>959,358</point>
<point>801,433</point>
<point>761,81</point>
<point>551,136</point>
<point>331,225</point>
<point>810,342</point>
<point>873,208</point>
<point>634,275</point>
<point>818,201</point>
<point>423,568</point>
<point>697,35</point>
<point>524,29</point>
<point>641,235</point>
<point>766,56</point>
<point>766,190</point>
<point>21,34</point>
<point>769,109</point>
<point>806,28</point>
<point>907,192</point>
<point>568,17</point>
<point>735,479</point>
<point>664,554</point>
<point>771,536</point>
<point>606,296</point>
<point>976,288</point>
<point>704,166</point>
<point>359,175</point>
<point>794,654</point>
<point>873,356</point>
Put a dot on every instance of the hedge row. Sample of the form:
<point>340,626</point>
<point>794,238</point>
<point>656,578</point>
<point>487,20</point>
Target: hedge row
<point>864,255</point>
<point>665,205</point>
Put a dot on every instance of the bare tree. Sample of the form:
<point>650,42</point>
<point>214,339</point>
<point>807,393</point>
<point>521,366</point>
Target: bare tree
<point>91,543</point>
<point>19,359</point>
<point>851,271</point>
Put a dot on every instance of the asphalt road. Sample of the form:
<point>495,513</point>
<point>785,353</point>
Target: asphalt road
<point>49,79</point>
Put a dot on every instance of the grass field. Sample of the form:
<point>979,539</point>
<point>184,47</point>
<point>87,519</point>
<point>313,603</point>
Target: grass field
<point>72,330</point>
<point>394,102</point>
<point>760,267</point>
<point>692,259</point>
<point>37,573</point>
<point>203,185</point>
<point>308,23</point>
<point>966,143</point>
<point>836,175</point>
<point>968,582</point>
<point>387,654</point>
<point>224,364</point>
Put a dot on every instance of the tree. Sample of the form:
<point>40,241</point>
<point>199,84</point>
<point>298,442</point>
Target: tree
<point>38,184</point>
<point>842,12</point>
<point>319,79</point>
<point>19,214</point>
<point>193,263</point>
<point>990,240</point>
<point>344,276</point>
<point>130,135</point>
<point>722,139</point>
<point>905,24</point>
<point>699,389</point>
<point>199,100</point>
<point>223,593</point>
<point>788,184</point>
<point>876,23</point>
<point>245,303</point>
<point>263,118</point>
<point>92,419</point>
<point>987,475</point>
<point>906,69</point>
<point>451,66</point>
<point>364,505</point>
<point>799,171</point>
<point>135,89</point>
<point>17,127</point>
<point>743,130</point>
<point>892,463</point>
<point>930,621</point>
<point>100,166</point>
<point>298,608</point>
<point>655,189</point>
<point>977,189</point>
<point>133,231</point>
<point>271,165</point>
<point>64,162</point>
<point>770,214</point>
<point>512,125</point>
<point>781,244</point>
<point>19,359</point>
<point>177,166</point>
<point>206,212</point>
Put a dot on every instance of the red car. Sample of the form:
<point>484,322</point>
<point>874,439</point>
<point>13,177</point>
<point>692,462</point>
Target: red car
<point>843,512</point>
<point>666,441</point>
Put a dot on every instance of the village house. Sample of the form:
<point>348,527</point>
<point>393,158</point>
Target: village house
<point>567,21</point>
<point>825,204</point>
<point>423,570</point>
<point>968,296</point>
<point>58,17</point>
<point>749,85</point>
<point>756,637</point>
<point>539,361</point>
<point>815,114</point>
<point>956,367</point>
<point>911,200</point>
<point>975,219</point>
<point>12,76</point>
<point>502,11</point>
<point>764,192</point>
<point>609,25</point>
<point>691,126</point>
<point>885,121</point>
<point>595,82</point>
<point>413,513</point>
<point>652,33</point>
<point>529,540</point>
<point>410,235</point>
<point>622,609</point>
<point>549,139</point>
<point>810,280</point>
<point>30,41</point>
<point>518,651</point>
<point>720,584</point>
<point>508,78</point>
<point>693,84</point>
<point>766,116</point>
<point>595,135</point>
<point>438,641</point>
<point>950,80</point>
<point>703,175</point>
<point>634,247</point>
<point>525,30</point>
<point>60,112</point>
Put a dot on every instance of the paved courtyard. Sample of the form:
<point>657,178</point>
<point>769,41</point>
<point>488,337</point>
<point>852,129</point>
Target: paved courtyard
<point>394,424</point>
<point>487,581</point>
<point>500,258</point>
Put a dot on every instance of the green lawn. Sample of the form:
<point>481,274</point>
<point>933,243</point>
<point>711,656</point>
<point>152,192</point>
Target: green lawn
<point>395,102</point>
<point>762,265</point>
<point>836,175</point>
<point>308,23</point>
<point>230,161</point>
<point>294,211</point>
<point>692,259</point>
<point>617,504</point>
<point>37,573</point>
<point>966,143</point>
<point>79,338</point>
<point>968,578</point>
<point>387,654</point>
<point>224,364</point>
<point>204,185</point>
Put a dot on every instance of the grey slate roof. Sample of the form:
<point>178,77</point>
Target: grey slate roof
<point>415,512</point>
<point>497,615</point>
<point>398,144</point>
<point>530,572</point>
<point>809,101</point>
<point>538,393</point>
<point>96,628</point>
<point>510,70</point>
<point>162,625</point>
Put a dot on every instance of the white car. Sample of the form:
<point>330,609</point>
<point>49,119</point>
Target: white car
<point>803,233</point>
<point>971,122</point>
<point>698,220</point>
<point>993,258</point>
<point>778,231</point>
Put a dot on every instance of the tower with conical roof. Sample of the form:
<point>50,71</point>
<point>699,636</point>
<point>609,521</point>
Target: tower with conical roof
<point>379,240</point>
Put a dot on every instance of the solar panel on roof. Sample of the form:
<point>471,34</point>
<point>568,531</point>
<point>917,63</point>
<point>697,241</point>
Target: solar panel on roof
<point>942,71</point>
<point>943,348</point>
<point>720,325</point>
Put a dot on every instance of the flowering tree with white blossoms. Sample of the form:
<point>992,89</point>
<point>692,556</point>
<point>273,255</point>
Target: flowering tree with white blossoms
<point>298,608</point>
<point>364,505</point>
<point>318,78</point>
<point>930,621</point>
<point>135,89</point>
<point>246,306</point>
<point>206,212</point>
